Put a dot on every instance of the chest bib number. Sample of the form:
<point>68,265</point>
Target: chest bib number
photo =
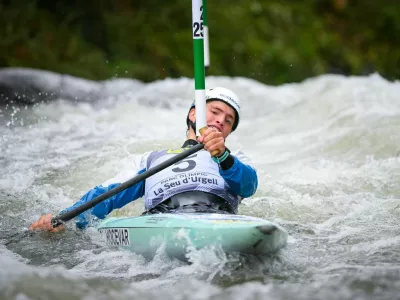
<point>185,165</point>
<point>197,172</point>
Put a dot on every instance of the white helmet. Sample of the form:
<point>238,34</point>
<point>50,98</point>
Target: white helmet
<point>225,95</point>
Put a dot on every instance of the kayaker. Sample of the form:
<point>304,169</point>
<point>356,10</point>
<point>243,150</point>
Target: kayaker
<point>198,183</point>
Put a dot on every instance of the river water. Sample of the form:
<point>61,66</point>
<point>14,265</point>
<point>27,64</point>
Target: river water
<point>327,152</point>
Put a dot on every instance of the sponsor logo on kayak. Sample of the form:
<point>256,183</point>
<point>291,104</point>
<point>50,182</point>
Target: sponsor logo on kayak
<point>116,236</point>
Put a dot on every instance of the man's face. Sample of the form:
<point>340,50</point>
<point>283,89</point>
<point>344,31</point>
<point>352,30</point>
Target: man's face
<point>219,115</point>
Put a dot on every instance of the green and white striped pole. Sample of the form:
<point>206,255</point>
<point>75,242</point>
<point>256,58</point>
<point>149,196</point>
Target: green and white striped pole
<point>206,40</point>
<point>199,74</point>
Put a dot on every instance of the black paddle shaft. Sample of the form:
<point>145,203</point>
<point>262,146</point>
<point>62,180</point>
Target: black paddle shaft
<point>60,219</point>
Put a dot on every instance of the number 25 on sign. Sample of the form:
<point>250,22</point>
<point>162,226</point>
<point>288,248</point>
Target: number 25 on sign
<point>197,21</point>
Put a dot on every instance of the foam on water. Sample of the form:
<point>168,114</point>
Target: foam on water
<point>328,159</point>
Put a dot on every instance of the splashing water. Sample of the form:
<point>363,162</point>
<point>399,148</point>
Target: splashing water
<point>328,159</point>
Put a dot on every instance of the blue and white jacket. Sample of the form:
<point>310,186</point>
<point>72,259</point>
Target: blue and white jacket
<point>234,179</point>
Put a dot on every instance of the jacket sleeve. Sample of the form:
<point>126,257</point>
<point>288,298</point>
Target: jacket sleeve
<point>101,210</point>
<point>241,176</point>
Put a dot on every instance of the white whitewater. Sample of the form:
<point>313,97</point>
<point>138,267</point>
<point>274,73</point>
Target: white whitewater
<point>327,152</point>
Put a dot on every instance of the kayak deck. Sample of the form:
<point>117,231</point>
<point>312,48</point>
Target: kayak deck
<point>178,232</point>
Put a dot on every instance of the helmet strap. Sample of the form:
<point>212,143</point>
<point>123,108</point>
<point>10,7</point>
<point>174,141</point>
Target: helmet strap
<point>193,125</point>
